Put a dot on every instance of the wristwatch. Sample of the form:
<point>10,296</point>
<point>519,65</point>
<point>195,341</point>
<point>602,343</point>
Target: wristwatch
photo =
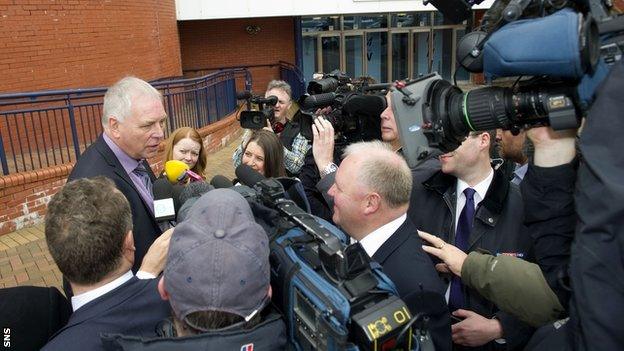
<point>330,168</point>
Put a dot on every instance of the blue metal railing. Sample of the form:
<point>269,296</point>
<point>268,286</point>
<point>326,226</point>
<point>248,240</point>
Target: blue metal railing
<point>292,74</point>
<point>43,129</point>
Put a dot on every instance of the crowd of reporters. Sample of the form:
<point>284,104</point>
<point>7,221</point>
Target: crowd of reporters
<point>479,246</point>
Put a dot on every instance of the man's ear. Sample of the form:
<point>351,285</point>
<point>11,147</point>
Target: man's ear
<point>128,248</point>
<point>372,203</point>
<point>113,127</point>
<point>485,140</point>
<point>161,289</point>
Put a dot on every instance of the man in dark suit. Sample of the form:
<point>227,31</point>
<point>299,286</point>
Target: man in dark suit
<point>371,196</point>
<point>474,207</point>
<point>89,234</point>
<point>133,120</point>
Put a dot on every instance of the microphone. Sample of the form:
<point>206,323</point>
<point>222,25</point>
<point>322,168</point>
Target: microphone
<point>191,190</point>
<point>178,171</point>
<point>247,175</point>
<point>243,95</point>
<point>220,182</point>
<point>189,196</point>
<point>175,170</point>
<point>164,207</point>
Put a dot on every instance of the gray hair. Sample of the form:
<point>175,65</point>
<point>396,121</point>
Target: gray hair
<point>383,171</point>
<point>282,85</point>
<point>118,98</point>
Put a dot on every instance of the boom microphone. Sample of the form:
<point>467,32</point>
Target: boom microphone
<point>220,182</point>
<point>243,95</point>
<point>247,175</point>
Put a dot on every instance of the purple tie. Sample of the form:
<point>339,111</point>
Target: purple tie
<point>462,236</point>
<point>141,171</point>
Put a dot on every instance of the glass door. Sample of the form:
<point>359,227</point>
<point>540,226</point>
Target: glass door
<point>354,55</point>
<point>377,55</point>
<point>442,61</point>
<point>420,54</point>
<point>310,61</point>
<point>330,53</point>
<point>400,56</point>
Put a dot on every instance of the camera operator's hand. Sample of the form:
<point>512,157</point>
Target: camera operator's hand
<point>268,127</point>
<point>474,329</point>
<point>452,257</point>
<point>552,148</point>
<point>322,143</point>
<point>323,111</point>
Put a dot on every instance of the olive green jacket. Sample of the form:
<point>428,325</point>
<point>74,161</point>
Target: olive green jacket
<point>514,286</point>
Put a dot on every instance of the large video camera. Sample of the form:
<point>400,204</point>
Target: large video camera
<point>329,294</point>
<point>564,49</point>
<point>355,106</point>
<point>257,119</point>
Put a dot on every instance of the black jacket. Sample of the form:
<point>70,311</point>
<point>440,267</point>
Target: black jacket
<point>135,308</point>
<point>269,335</point>
<point>99,160</point>
<point>411,270</point>
<point>498,228</point>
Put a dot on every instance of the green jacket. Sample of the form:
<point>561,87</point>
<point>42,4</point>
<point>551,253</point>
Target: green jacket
<point>514,286</point>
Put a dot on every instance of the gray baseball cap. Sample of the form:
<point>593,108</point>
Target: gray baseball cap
<point>218,258</point>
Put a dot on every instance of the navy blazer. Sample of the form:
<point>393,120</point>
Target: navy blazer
<point>134,308</point>
<point>412,271</point>
<point>99,160</point>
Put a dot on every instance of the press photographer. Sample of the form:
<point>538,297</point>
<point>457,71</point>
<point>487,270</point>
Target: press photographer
<point>275,117</point>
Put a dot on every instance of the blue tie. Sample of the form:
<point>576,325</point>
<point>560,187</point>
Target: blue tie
<point>462,237</point>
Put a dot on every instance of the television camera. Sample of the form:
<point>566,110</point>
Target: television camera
<point>355,106</point>
<point>257,119</point>
<point>563,47</point>
<point>331,296</point>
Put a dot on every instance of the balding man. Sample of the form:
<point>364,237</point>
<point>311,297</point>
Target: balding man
<point>371,196</point>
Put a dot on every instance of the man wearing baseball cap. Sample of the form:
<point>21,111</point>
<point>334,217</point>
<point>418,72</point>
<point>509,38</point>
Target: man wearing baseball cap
<point>217,281</point>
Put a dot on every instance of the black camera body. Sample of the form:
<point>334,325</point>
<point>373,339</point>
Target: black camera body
<point>355,107</point>
<point>258,119</point>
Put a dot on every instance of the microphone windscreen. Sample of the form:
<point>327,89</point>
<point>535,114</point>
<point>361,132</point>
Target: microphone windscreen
<point>243,95</point>
<point>193,189</point>
<point>247,175</point>
<point>176,194</point>
<point>162,189</point>
<point>185,208</point>
<point>220,182</point>
<point>175,169</point>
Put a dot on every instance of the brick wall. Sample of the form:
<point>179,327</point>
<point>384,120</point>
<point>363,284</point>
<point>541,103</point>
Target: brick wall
<point>210,44</point>
<point>60,44</point>
<point>24,196</point>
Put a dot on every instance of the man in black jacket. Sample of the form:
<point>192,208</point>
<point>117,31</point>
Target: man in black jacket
<point>370,196</point>
<point>472,206</point>
<point>133,119</point>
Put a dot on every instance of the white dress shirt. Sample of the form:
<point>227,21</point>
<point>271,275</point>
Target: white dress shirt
<point>78,301</point>
<point>480,191</point>
<point>373,241</point>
